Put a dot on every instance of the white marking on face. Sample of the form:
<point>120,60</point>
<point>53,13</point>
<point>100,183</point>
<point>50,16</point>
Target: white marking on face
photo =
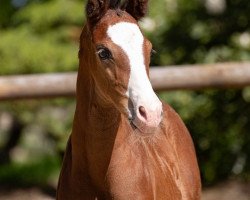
<point>130,39</point>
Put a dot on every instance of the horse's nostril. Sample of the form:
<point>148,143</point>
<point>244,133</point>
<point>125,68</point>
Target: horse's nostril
<point>142,112</point>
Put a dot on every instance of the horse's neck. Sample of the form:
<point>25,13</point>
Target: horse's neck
<point>95,125</point>
<point>92,113</point>
<point>93,136</point>
<point>98,121</point>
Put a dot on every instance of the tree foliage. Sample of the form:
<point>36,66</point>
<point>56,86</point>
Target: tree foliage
<point>41,37</point>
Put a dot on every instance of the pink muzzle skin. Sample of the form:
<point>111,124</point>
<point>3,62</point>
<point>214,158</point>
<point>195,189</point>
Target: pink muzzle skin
<point>148,118</point>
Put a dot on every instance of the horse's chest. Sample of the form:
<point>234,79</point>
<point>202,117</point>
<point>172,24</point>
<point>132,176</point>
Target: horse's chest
<point>143,173</point>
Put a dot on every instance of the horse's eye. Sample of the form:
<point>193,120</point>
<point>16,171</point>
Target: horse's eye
<point>104,54</point>
<point>153,52</point>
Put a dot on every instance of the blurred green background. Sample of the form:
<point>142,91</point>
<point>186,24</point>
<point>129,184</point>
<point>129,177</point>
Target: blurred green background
<point>41,36</point>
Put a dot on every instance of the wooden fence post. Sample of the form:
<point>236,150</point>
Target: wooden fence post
<point>223,75</point>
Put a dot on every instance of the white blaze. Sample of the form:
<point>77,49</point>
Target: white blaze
<point>130,39</point>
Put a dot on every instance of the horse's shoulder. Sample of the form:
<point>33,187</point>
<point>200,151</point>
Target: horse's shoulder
<point>171,118</point>
<point>178,134</point>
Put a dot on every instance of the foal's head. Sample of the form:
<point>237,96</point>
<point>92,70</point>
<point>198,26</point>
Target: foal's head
<point>122,58</point>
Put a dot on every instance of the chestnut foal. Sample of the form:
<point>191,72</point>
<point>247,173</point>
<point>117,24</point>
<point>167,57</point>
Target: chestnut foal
<point>125,144</point>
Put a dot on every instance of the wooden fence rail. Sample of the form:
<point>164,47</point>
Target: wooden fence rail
<point>223,75</point>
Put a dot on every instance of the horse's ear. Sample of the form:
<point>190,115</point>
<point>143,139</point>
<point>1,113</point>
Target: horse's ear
<point>95,9</point>
<point>136,8</point>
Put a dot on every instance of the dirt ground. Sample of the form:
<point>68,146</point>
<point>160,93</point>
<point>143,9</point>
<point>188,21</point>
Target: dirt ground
<point>230,190</point>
